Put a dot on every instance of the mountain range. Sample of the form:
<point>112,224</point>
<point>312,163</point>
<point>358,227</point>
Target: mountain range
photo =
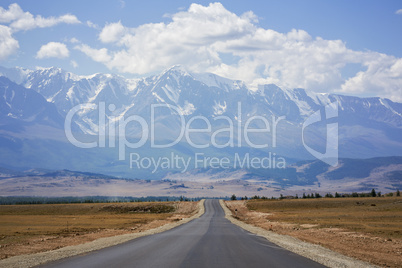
<point>34,106</point>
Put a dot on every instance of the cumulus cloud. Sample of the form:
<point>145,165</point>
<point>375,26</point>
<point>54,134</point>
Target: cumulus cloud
<point>112,32</point>
<point>13,13</point>
<point>23,21</point>
<point>188,39</point>
<point>8,45</point>
<point>53,50</point>
<point>383,74</point>
<point>399,12</point>
<point>99,55</point>
<point>18,20</point>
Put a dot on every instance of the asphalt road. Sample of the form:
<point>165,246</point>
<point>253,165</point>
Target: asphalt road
<point>209,241</point>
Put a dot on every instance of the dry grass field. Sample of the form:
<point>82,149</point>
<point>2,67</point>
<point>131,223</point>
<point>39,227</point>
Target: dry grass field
<point>34,228</point>
<point>377,216</point>
<point>365,228</point>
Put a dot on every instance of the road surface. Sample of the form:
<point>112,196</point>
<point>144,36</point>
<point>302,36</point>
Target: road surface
<point>209,241</point>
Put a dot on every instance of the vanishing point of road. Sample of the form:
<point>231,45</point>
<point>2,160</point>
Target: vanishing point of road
<point>208,241</point>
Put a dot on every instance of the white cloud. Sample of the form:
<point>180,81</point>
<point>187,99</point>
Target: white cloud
<point>112,32</point>
<point>8,45</point>
<point>23,21</point>
<point>98,55</point>
<point>19,20</point>
<point>74,64</point>
<point>90,24</point>
<point>13,13</point>
<point>30,22</point>
<point>53,50</point>
<point>74,40</point>
<point>187,39</point>
<point>383,74</point>
<point>399,12</point>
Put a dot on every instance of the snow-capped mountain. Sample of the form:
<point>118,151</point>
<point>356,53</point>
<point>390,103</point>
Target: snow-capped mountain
<point>368,127</point>
<point>202,94</point>
<point>19,104</point>
<point>67,90</point>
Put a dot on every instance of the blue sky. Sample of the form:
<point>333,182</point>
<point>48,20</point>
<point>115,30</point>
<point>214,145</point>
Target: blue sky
<point>348,47</point>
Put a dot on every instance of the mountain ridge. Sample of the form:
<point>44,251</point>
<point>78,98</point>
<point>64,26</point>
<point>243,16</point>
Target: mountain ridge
<point>43,81</point>
<point>368,127</point>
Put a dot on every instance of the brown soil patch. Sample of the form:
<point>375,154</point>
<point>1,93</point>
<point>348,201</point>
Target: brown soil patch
<point>369,233</point>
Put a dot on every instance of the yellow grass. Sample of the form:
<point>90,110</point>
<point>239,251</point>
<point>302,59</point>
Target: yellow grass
<point>19,223</point>
<point>379,216</point>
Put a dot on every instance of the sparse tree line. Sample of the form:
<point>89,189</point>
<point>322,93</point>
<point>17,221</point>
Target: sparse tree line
<point>27,200</point>
<point>373,193</point>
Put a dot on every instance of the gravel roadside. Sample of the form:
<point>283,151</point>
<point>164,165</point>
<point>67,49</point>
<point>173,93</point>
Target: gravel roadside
<point>31,260</point>
<point>314,252</point>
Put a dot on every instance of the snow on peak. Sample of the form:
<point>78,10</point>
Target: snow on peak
<point>209,79</point>
<point>213,80</point>
<point>176,72</point>
<point>50,72</point>
<point>179,69</point>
